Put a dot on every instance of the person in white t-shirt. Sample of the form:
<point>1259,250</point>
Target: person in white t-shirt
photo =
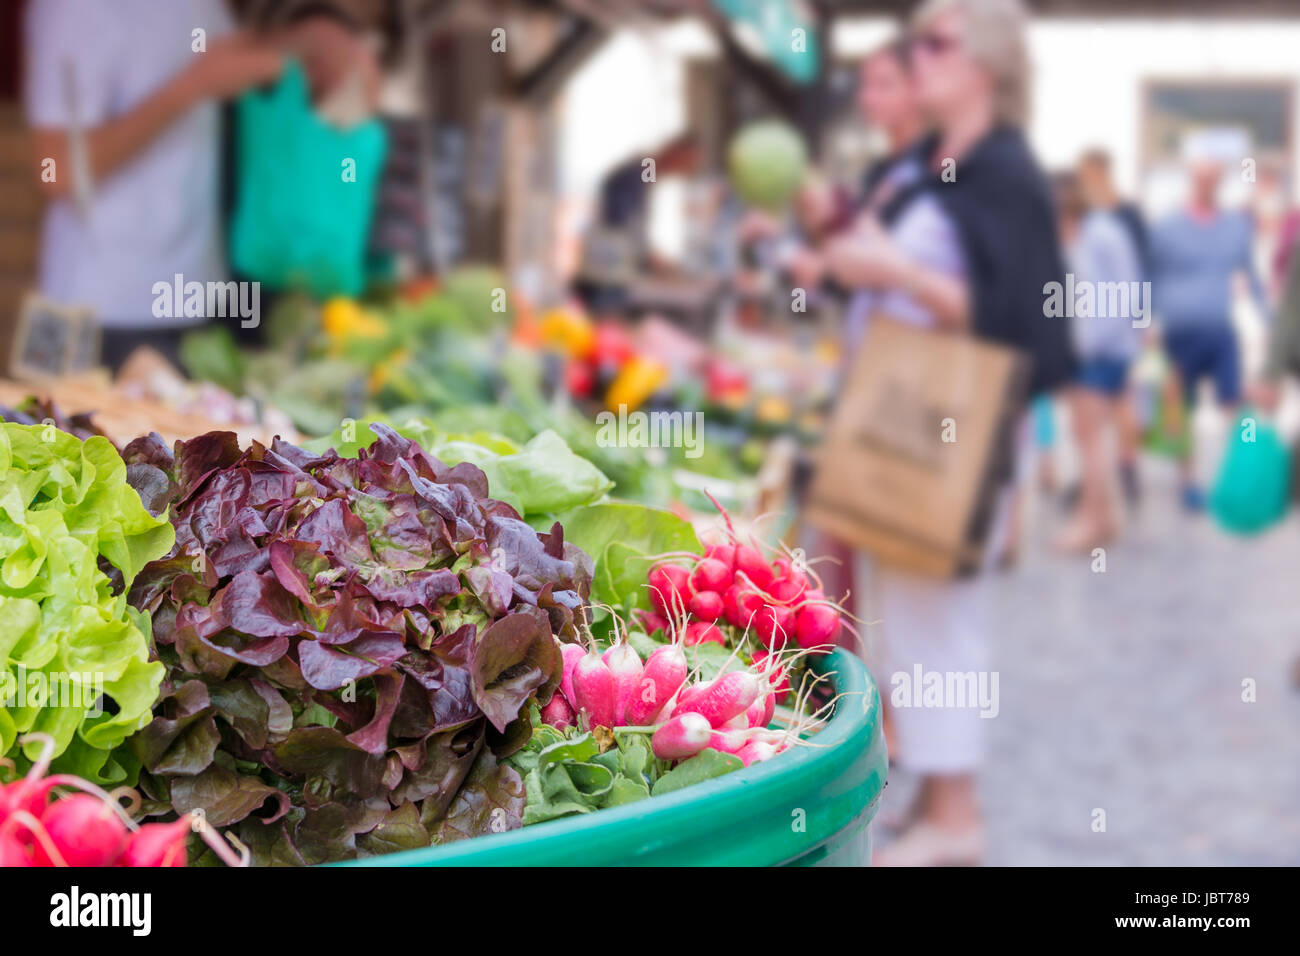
<point>123,101</point>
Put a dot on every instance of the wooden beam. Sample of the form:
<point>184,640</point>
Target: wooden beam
<point>768,80</point>
<point>544,80</point>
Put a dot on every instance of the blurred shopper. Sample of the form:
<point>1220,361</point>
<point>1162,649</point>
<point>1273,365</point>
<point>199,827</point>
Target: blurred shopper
<point>616,248</point>
<point>1196,253</point>
<point>793,248</point>
<point>887,101</point>
<point>1099,193</point>
<point>1282,356</point>
<point>126,110</point>
<point>1101,257</point>
<point>1288,230</point>
<point>969,248</point>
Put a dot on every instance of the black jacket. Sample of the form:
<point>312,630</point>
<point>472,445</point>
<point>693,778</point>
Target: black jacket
<point>1001,205</point>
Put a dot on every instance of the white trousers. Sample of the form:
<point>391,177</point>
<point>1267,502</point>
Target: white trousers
<point>940,625</point>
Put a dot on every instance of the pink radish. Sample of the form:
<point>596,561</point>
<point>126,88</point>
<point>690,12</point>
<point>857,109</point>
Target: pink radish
<point>706,605</point>
<point>29,795</point>
<point>558,713</point>
<point>729,695</point>
<point>710,574</point>
<point>759,713</point>
<point>778,678</point>
<point>728,741</point>
<point>158,844</point>
<point>817,625</point>
<point>664,673</point>
<point>751,564</point>
<point>681,737</point>
<point>687,696</point>
<point>787,589</point>
<point>85,830</point>
<point>726,553</point>
<point>698,632</point>
<point>593,691</point>
<point>669,588</point>
<point>774,625</point>
<point>625,666</point>
<point>651,622</point>
<point>12,852</point>
<point>756,751</point>
<point>740,604</point>
<point>570,654</point>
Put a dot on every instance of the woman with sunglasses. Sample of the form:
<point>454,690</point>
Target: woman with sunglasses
<point>984,210</point>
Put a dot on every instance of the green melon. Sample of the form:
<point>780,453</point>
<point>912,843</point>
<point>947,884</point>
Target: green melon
<point>767,161</point>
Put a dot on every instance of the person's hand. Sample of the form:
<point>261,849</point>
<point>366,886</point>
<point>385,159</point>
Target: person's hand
<point>868,256</point>
<point>330,54</point>
<point>806,268</point>
<point>233,64</point>
<point>1264,395</point>
<point>756,224</point>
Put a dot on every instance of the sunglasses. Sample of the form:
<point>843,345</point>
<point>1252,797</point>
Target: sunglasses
<point>933,43</point>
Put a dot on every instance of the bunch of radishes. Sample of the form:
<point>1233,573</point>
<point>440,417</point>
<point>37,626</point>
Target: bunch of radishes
<point>730,713</point>
<point>732,584</point>
<point>40,825</point>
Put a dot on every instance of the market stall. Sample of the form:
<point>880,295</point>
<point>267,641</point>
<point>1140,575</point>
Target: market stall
<point>414,554</point>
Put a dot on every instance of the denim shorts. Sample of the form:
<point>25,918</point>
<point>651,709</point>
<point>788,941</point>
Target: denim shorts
<point>1104,374</point>
<point>1209,352</point>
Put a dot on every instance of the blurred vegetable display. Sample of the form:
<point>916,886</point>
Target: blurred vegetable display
<point>540,479</point>
<point>447,357</point>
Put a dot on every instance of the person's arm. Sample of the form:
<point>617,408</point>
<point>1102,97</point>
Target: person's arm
<point>1253,280</point>
<point>1284,337</point>
<point>1124,261</point>
<point>870,258</point>
<point>230,66</point>
<point>946,297</point>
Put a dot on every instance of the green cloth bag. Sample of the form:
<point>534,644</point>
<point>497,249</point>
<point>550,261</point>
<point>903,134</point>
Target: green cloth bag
<point>299,223</point>
<point>1250,493</point>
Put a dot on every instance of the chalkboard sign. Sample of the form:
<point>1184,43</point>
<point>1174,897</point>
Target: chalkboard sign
<point>450,155</point>
<point>53,339</point>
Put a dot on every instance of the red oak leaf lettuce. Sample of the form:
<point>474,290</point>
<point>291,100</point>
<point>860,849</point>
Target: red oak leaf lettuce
<point>350,643</point>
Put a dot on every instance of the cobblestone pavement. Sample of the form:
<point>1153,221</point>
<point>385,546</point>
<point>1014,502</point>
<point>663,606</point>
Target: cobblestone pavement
<point>1123,691</point>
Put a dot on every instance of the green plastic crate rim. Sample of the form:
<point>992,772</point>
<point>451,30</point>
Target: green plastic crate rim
<point>797,807</point>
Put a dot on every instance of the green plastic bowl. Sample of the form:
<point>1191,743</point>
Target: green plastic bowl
<point>808,806</point>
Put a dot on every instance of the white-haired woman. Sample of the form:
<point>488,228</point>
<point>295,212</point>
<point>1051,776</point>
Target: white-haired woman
<point>981,211</point>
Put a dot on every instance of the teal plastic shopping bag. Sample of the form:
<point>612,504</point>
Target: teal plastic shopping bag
<point>1250,493</point>
<point>305,192</point>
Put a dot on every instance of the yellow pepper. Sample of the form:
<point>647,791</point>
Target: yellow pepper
<point>773,410</point>
<point>636,381</point>
<point>568,330</point>
<point>343,319</point>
